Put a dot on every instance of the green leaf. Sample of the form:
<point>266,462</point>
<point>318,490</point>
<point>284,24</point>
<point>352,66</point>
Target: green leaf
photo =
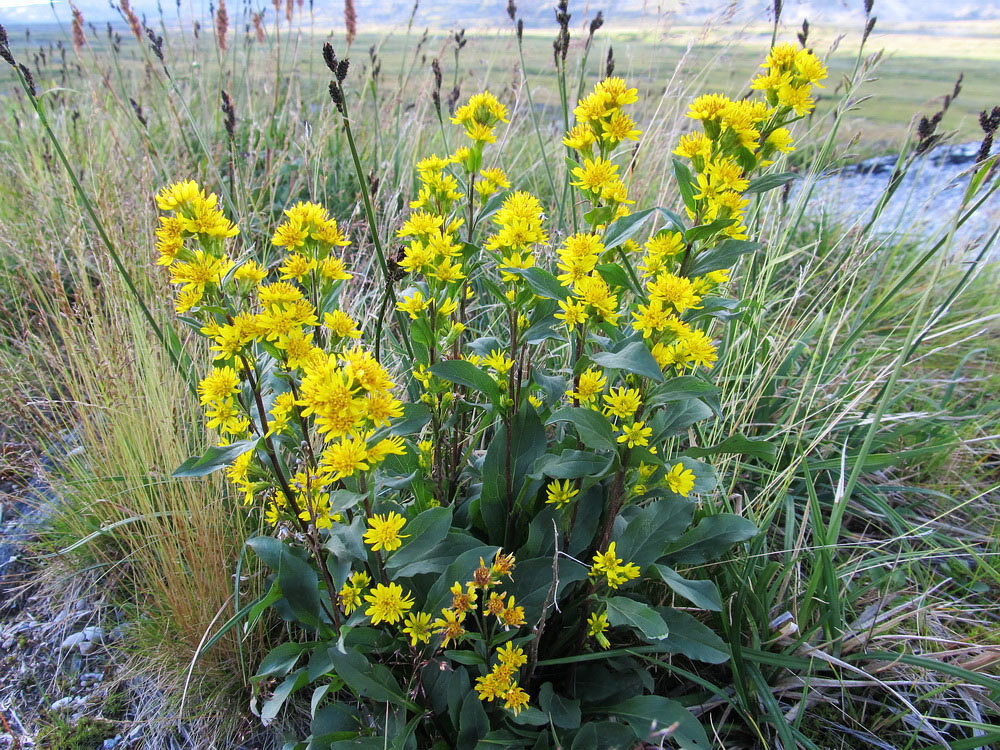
<point>473,724</point>
<point>704,231</point>
<point>370,680</point>
<point>542,283</point>
<point>738,444</point>
<point>614,275</point>
<point>685,184</point>
<point>335,718</point>
<point>604,735</point>
<point>652,528</point>
<point>704,594</point>
<point>710,539</point>
<point>563,712</point>
<point>280,660</point>
<point>493,205</point>
<point>465,373</point>
<point>769,182</point>
<point>692,637</point>
<point>599,215</point>
<point>571,464</point>
<point>723,255</point>
<point>624,611</point>
<point>527,444</point>
<point>296,578</point>
<point>415,416</point>
<point>213,459</point>
<point>633,357</point>
<point>626,227</point>
<point>681,415</point>
<point>681,388</point>
<point>648,714</point>
<point>425,532</point>
<point>289,685</point>
<point>469,658</point>
<point>532,717</point>
<point>593,427</point>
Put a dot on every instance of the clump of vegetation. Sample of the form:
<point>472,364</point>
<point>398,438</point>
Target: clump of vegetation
<point>587,434</point>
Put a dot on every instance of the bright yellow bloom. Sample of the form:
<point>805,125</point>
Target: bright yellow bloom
<point>345,457</point>
<point>610,566</point>
<point>387,603</point>
<point>635,434</point>
<point>450,626</point>
<point>219,385</point>
<point>595,174</point>
<point>597,626</point>
<point>512,656</point>
<point>418,627</point>
<point>680,480</point>
<point>516,699</point>
<point>590,384</point>
<point>341,324</point>
<point>562,494</point>
<point>383,532</point>
<point>623,403</point>
<point>499,362</point>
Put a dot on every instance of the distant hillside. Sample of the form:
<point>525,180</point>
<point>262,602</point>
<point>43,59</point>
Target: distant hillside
<point>485,13</point>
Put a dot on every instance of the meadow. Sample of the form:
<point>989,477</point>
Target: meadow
<point>844,446</point>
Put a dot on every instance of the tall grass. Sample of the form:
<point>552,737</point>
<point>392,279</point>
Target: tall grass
<point>869,361</point>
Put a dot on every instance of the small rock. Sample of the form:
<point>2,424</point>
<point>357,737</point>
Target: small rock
<point>112,743</point>
<point>72,640</point>
<point>70,701</point>
<point>94,633</point>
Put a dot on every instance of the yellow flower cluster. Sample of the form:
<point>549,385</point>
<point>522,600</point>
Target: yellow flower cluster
<point>791,74</point>
<point>520,229</point>
<point>194,214</point>
<point>500,682</point>
<point>615,570</point>
<point>479,116</point>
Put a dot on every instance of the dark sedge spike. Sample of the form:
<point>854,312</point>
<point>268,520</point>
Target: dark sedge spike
<point>597,23</point>
<point>330,57</point>
<point>342,67</point>
<point>511,10</point>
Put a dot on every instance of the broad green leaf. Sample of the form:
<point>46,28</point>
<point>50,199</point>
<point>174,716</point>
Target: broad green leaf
<point>296,578</point>
<point>439,556</point>
<point>565,713</point>
<point>289,685</point>
<point>680,388</point>
<point>633,357</point>
<point>769,182</point>
<point>614,275</point>
<point>624,611</point>
<point>473,724</point>
<point>723,255</point>
<point>648,713</point>
<point>704,231</point>
<point>692,638</point>
<point>280,660</point>
<point>681,414</point>
<point>493,205</point>
<point>593,427</point>
<point>685,184</point>
<point>738,444</point>
<point>344,542</point>
<point>424,532</point>
<point>371,680</point>
<point>465,373</point>
<point>704,594</point>
<point>652,528</point>
<point>542,283</point>
<point>710,539</point>
<point>531,717</point>
<point>604,735</point>
<point>626,227</point>
<point>415,416</point>
<point>571,464</point>
<point>213,459</point>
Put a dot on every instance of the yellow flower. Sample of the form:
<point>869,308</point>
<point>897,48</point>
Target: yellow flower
<point>384,532</point>
<point>511,656</point>
<point>560,494</point>
<point>595,174</point>
<point>680,480</point>
<point>413,304</point>
<point>498,361</point>
<point>635,434</point>
<point>623,403</point>
<point>345,457</point>
<point>572,313</point>
<point>418,627</point>
<point>597,626</point>
<point>341,324</point>
<point>387,603</point>
<point>610,566</point>
<point>492,686</point>
<point>516,699</point>
<point>707,106</point>
<point>450,626</point>
<point>590,384</point>
<point>219,385</point>
<point>580,137</point>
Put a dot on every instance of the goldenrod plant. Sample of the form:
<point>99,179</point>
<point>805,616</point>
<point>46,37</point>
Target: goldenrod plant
<point>476,540</point>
